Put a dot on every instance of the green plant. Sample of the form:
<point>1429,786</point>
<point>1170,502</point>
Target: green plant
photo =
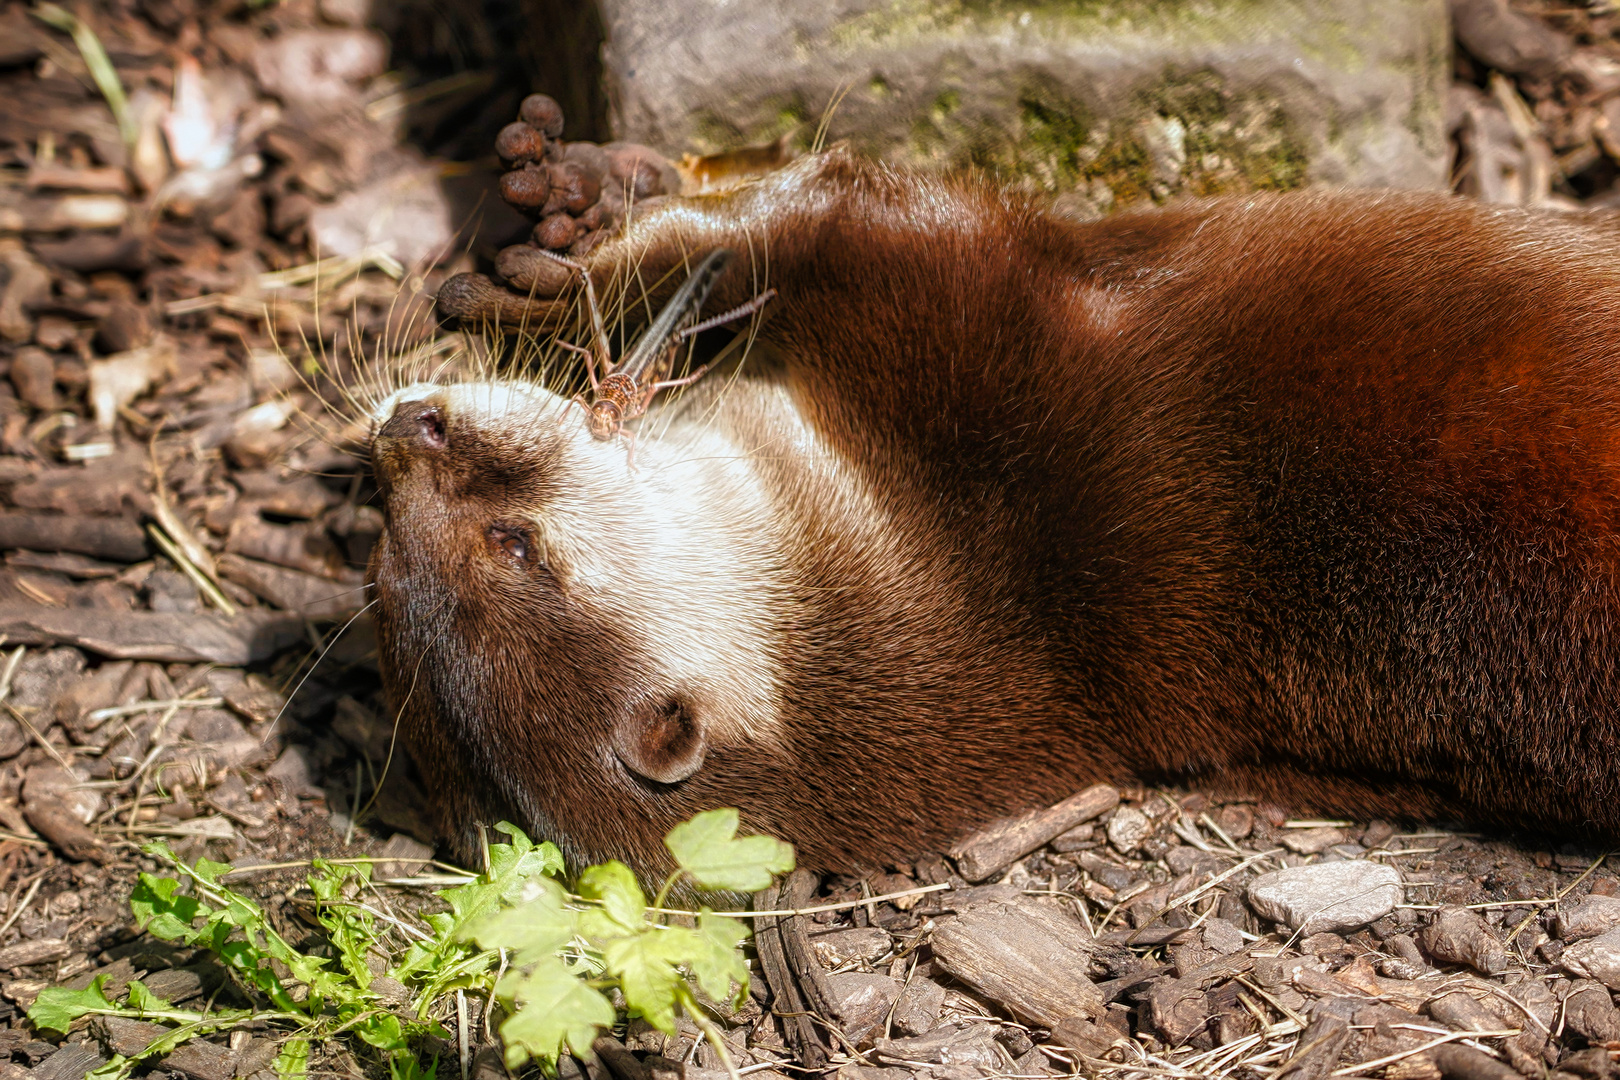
<point>566,957</point>
<point>550,957</point>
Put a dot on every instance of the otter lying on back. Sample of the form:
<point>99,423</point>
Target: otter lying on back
<point>1314,497</point>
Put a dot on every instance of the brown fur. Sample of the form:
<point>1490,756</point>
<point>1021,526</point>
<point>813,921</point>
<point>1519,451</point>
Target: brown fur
<point>1309,496</point>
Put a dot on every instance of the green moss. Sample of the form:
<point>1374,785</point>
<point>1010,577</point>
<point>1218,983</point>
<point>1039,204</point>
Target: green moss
<point>1208,141</point>
<point>712,134</point>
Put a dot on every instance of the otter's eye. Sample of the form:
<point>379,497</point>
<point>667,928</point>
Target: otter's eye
<point>511,541</point>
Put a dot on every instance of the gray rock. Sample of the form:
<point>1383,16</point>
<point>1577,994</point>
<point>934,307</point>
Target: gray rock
<point>1327,896</point>
<point>1224,95</point>
<point>1593,916</point>
<point>1128,828</point>
<point>1596,958</point>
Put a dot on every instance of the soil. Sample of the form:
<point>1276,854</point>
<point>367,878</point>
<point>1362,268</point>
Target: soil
<point>175,443</point>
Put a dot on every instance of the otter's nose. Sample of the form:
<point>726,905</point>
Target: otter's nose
<point>421,423</point>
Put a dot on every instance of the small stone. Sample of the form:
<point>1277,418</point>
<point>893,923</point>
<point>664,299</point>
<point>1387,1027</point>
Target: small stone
<point>1311,841</point>
<point>1507,40</point>
<point>1112,875</point>
<point>1327,896</point>
<point>1377,834</point>
<point>864,1000</point>
<point>1593,916</point>
<point>863,944</point>
<point>1596,958</point>
<point>52,781</point>
<point>1128,828</point>
<point>1459,936</point>
<point>227,739</point>
<point>125,326</point>
<point>1323,944</point>
<point>916,1012</point>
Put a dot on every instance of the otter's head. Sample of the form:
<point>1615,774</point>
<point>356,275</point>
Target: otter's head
<point>580,648</point>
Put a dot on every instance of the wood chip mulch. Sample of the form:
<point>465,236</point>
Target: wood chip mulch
<point>186,517</point>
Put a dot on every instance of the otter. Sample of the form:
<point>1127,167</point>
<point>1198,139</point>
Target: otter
<point>1313,497</point>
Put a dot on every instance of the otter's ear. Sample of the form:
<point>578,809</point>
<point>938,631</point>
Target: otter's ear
<point>663,743</point>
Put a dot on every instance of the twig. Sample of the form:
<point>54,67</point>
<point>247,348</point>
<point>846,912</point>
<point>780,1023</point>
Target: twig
<point>461,1033</point>
<point>710,1032</point>
<point>355,861</point>
<point>101,716</point>
<point>11,669</point>
<point>846,906</point>
<point>36,736</point>
<point>199,577</point>
<point>26,900</point>
<point>1517,930</point>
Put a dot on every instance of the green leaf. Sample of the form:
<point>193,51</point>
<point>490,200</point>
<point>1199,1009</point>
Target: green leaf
<point>716,960</point>
<point>621,897</point>
<point>57,1007</point>
<point>706,849</point>
<point>143,1000</point>
<point>159,911</point>
<point>645,967</point>
<point>211,871</point>
<point>292,1061</point>
<point>537,928</point>
<point>555,1011</point>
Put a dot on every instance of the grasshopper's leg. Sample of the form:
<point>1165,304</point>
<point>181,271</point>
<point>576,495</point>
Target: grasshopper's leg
<point>598,329</point>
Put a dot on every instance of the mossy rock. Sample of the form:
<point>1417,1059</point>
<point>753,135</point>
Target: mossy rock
<point>1122,102</point>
